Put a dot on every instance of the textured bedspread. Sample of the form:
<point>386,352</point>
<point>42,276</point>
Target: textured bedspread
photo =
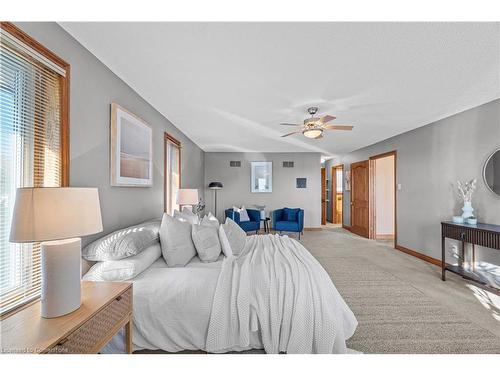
<point>277,289</point>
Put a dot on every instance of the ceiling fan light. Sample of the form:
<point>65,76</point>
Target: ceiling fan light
<point>312,133</point>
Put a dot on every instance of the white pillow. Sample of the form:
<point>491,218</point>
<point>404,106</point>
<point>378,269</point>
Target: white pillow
<point>124,269</point>
<point>210,220</point>
<point>243,213</point>
<point>186,215</point>
<point>232,238</point>
<point>176,243</point>
<point>206,241</point>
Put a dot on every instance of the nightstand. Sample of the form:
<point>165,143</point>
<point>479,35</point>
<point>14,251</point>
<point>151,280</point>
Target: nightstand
<point>106,308</point>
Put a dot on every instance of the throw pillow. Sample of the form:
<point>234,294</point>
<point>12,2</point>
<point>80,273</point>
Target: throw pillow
<point>177,245</point>
<point>186,215</point>
<point>243,213</point>
<point>124,269</point>
<point>210,220</point>
<point>233,238</point>
<point>206,241</point>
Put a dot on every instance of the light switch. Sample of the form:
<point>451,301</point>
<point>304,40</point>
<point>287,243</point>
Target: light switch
<point>399,187</point>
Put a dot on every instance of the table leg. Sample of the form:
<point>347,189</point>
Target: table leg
<point>473,257</point>
<point>128,337</point>
<point>443,260</point>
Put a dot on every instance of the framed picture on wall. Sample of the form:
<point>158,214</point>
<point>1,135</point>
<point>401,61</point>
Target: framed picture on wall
<point>131,149</point>
<point>347,185</point>
<point>261,177</point>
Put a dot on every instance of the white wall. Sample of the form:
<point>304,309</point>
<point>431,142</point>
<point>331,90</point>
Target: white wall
<point>384,195</point>
<point>236,182</point>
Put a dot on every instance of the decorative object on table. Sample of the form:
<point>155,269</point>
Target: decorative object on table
<point>471,220</point>
<point>458,219</point>
<point>131,149</point>
<point>347,185</point>
<point>58,217</point>
<point>261,208</point>
<point>187,198</point>
<point>199,207</point>
<point>288,220</point>
<point>301,183</point>
<point>465,191</point>
<point>491,172</point>
<point>252,225</point>
<point>261,177</point>
<point>215,186</point>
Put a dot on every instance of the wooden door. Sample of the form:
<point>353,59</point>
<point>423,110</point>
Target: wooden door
<point>360,214</point>
<point>323,196</point>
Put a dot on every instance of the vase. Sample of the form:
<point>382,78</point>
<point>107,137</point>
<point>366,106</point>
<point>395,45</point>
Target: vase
<point>467,210</point>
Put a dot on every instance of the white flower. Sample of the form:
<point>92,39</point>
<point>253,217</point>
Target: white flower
<point>465,190</point>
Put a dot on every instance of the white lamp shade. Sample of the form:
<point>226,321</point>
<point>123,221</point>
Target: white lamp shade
<point>187,197</point>
<point>45,214</point>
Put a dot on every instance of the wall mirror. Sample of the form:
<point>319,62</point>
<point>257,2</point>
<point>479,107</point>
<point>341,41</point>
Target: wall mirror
<point>491,172</point>
<point>262,177</point>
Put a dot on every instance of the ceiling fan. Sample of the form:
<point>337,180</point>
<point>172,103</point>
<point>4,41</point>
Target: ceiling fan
<point>314,127</point>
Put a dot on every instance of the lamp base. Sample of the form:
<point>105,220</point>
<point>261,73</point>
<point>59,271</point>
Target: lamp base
<point>61,275</point>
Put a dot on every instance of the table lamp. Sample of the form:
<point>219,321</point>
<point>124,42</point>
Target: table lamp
<point>215,186</point>
<point>187,198</point>
<point>57,217</point>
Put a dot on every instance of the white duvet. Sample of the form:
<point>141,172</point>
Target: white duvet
<point>275,296</point>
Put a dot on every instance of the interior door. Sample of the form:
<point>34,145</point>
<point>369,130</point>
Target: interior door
<point>360,214</point>
<point>323,196</point>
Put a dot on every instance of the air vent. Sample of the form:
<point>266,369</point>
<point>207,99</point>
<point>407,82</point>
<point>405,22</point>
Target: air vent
<point>288,164</point>
<point>235,163</point>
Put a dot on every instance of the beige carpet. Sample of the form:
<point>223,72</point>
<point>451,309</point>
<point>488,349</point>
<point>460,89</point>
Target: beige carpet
<point>394,317</point>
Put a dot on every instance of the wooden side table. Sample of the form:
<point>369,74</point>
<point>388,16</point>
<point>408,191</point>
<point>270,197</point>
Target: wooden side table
<point>106,308</point>
<point>266,224</point>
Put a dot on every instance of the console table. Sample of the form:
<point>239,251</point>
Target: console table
<point>486,235</point>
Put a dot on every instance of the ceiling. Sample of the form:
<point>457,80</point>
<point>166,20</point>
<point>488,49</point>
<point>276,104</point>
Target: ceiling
<point>227,86</point>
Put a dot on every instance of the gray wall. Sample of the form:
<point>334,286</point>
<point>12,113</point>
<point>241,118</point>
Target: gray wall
<point>93,88</point>
<point>236,191</point>
<point>429,162</point>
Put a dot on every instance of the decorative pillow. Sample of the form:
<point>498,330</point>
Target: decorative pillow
<point>124,269</point>
<point>232,238</point>
<point>243,213</point>
<point>206,241</point>
<point>210,220</point>
<point>176,243</point>
<point>186,215</point>
<point>290,214</point>
<point>123,243</point>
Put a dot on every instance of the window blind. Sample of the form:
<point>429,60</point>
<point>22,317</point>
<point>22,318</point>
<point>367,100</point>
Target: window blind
<point>30,156</point>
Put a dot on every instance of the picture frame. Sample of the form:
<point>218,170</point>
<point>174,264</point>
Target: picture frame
<point>347,185</point>
<point>261,180</point>
<point>131,149</point>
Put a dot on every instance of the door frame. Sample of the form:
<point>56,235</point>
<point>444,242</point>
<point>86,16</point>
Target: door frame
<point>372,213</point>
<point>334,193</point>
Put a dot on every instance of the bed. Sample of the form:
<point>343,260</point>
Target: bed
<point>274,296</point>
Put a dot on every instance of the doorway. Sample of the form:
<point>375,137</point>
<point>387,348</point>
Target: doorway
<point>383,197</point>
<point>336,188</point>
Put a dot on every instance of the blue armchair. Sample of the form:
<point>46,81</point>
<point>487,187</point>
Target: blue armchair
<point>247,226</point>
<point>288,220</point>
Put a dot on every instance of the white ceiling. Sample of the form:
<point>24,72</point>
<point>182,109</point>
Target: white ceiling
<point>228,85</point>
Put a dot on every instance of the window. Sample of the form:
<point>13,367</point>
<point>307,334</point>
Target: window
<point>172,172</point>
<point>33,148</point>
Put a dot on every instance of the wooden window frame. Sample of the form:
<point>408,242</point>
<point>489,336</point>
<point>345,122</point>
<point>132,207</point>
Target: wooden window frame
<point>169,138</point>
<point>64,82</point>
<point>65,92</point>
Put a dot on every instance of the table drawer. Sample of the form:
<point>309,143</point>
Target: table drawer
<point>90,336</point>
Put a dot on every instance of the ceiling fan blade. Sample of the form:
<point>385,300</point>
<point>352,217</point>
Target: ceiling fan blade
<point>292,133</point>
<point>338,127</point>
<point>327,118</point>
<point>288,124</point>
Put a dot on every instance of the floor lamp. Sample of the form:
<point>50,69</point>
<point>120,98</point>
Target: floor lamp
<point>215,186</point>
